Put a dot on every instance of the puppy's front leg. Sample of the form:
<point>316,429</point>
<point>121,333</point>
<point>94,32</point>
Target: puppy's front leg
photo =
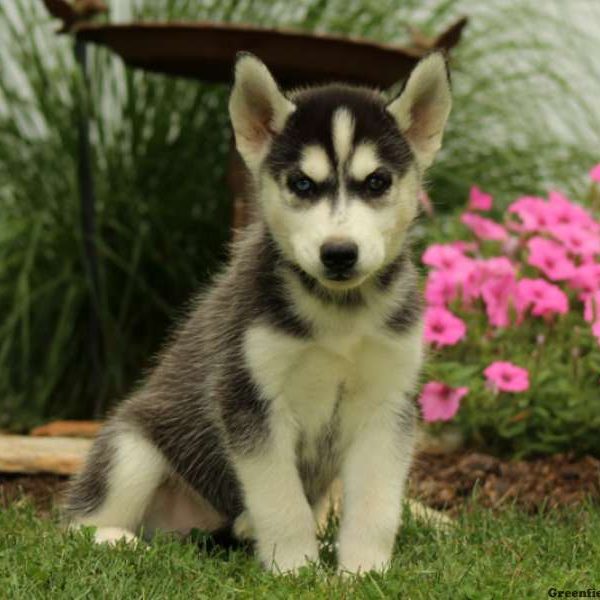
<point>281,518</point>
<point>373,475</point>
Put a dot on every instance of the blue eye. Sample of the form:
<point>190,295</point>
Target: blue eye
<point>302,186</point>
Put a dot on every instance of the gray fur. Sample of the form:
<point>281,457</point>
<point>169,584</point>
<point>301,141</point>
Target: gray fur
<point>88,490</point>
<point>319,463</point>
<point>200,402</point>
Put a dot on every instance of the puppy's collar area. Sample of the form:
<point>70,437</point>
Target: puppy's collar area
<point>350,298</point>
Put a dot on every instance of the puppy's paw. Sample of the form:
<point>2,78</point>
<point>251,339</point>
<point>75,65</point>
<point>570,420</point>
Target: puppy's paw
<point>289,556</point>
<point>243,528</point>
<point>112,535</point>
<point>361,560</point>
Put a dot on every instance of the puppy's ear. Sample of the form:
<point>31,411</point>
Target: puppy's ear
<point>422,108</point>
<point>257,108</point>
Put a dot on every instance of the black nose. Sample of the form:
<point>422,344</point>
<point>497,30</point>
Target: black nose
<point>339,257</point>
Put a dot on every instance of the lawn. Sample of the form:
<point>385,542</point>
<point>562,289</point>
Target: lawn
<point>486,555</point>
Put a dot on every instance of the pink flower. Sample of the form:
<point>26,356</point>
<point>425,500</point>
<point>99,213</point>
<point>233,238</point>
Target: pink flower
<point>591,310</point>
<point>440,402</point>
<point>444,256</point>
<point>576,239</point>
<point>464,246</point>
<point>479,200</point>
<point>497,293</point>
<point>586,278</point>
<point>497,266</point>
<point>479,272</point>
<point>449,259</point>
<point>551,258</point>
<point>506,377</point>
<point>472,281</point>
<point>564,212</point>
<point>483,228</point>
<point>544,298</point>
<point>595,173</point>
<point>442,327</point>
<point>440,288</point>
<point>532,211</point>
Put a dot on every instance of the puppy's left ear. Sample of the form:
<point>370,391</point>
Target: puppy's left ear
<point>257,108</point>
<point>422,108</point>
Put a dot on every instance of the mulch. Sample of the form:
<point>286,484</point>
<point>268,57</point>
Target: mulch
<point>43,491</point>
<point>449,482</point>
<point>444,482</point>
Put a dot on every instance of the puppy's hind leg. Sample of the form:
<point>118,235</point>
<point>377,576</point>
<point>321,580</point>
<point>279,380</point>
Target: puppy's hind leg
<point>119,480</point>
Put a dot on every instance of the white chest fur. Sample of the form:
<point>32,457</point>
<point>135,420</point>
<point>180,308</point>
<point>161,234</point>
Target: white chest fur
<point>360,368</point>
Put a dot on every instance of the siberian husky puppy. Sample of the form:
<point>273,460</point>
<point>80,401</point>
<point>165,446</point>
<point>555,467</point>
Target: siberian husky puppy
<point>298,365</point>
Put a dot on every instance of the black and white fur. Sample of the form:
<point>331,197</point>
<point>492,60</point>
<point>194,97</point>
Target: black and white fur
<point>287,375</point>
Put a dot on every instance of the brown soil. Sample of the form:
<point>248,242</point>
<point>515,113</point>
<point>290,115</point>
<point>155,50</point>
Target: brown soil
<point>448,482</point>
<point>43,491</point>
<point>442,482</point>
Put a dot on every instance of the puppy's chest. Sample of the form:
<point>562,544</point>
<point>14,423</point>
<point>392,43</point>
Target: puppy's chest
<point>327,384</point>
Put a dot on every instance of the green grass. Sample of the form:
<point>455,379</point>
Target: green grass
<point>509,555</point>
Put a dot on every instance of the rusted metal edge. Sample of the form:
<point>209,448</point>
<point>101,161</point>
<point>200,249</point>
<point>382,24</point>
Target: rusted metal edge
<point>207,50</point>
<point>72,13</point>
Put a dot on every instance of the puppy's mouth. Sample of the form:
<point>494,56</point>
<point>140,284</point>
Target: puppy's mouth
<point>333,282</point>
<point>340,281</point>
<point>340,275</point>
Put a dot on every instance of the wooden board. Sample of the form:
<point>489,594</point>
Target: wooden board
<point>25,454</point>
<point>78,429</point>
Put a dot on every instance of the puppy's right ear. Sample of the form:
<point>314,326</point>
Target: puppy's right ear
<point>422,108</point>
<point>257,108</point>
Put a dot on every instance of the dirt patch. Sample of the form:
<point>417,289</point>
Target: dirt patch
<point>43,491</point>
<point>443,482</point>
<point>448,482</point>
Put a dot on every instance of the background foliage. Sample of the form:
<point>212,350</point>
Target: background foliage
<point>525,86</point>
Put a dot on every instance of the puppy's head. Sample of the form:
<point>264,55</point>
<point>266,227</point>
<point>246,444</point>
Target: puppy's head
<point>338,168</point>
